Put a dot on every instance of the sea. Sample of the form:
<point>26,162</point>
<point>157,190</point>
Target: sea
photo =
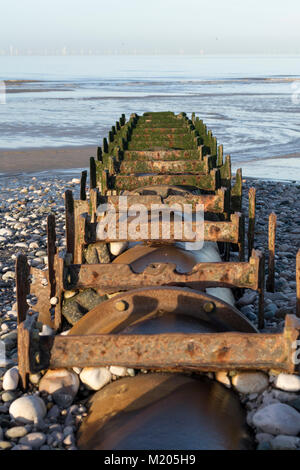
<point>251,103</point>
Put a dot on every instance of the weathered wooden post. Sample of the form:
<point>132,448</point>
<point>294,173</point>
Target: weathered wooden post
<point>70,222</point>
<point>93,179</point>
<point>270,285</point>
<point>83,186</point>
<point>251,224</point>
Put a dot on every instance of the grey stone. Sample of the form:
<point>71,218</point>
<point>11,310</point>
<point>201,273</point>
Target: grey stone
<point>34,439</point>
<point>77,306</point>
<point>277,418</point>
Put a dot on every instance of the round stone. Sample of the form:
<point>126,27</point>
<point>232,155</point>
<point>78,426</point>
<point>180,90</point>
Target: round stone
<point>63,384</point>
<point>15,432</point>
<point>277,418</point>
<point>95,377</point>
<point>11,379</point>
<point>34,439</point>
<point>282,442</point>
<point>250,382</point>
<point>287,382</point>
<point>28,409</point>
<point>118,370</point>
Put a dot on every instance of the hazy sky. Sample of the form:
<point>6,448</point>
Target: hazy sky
<point>165,26</point>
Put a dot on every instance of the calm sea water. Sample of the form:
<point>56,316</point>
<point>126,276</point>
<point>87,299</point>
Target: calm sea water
<point>252,104</point>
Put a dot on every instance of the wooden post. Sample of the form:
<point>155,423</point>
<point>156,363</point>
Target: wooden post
<point>70,223</point>
<point>220,155</point>
<point>93,200</point>
<point>83,185</point>
<point>241,243</point>
<point>261,291</point>
<point>99,154</point>
<point>105,145</point>
<point>236,192</point>
<point>271,265</point>
<point>22,286</point>
<point>251,224</point>
<point>93,179</point>
<point>298,284</point>
<point>51,247</point>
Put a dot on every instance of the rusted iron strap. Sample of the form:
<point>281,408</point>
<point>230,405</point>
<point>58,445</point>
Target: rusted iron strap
<point>109,278</point>
<point>217,203</point>
<point>166,166</point>
<point>217,351</point>
<point>213,231</point>
<point>209,182</point>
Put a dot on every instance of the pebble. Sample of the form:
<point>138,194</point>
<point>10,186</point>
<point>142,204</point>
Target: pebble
<point>5,445</point>
<point>21,447</point>
<point>95,378</point>
<point>288,382</point>
<point>34,439</point>
<point>223,378</point>
<point>118,370</point>
<point>250,382</point>
<point>28,409</point>
<point>282,442</point>
<point>63,384</point>
<point>277,418</point>
<point>15,432</point>
<point>11,379</point>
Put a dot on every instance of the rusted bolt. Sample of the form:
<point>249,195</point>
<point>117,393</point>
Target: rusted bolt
<point>121,305</point>
<point>209,307</point>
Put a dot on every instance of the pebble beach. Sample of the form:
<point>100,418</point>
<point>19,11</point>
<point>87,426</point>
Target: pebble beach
<point>48,415</point>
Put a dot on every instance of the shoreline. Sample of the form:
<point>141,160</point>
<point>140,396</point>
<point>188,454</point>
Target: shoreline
<point>58,160</point>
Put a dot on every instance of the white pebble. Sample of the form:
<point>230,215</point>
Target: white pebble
<point>11,379</point>
<point>28,409</point>
<point>95,378</point>
<point>118,370</point>
<point>288,382</point>
<point>250,382</point>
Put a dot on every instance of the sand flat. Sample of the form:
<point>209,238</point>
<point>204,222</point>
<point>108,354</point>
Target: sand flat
<point>29,160</point>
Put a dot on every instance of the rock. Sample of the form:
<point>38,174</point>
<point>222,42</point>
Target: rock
<point>11,379</point>
<point>34,439</point>
<point>116,248</point>
<point>282,442</point>
<point>21,447</point>
<point>9,275</point>
<point>223,378</point>
<point>6,232</point>
<point>262,437</point>
<point>63,384</point>
<point>35,378</point>
<point>53,300</point>
<point>97,253</point>
<point>118,370</point>
<point>77,306</point>
<point>15,432</point>
<point>247,299</point>
<point>95,377</point>
<point>68,294</point>
<point>8,396</point>
<point>288,382</point>
<point>277,418</point>
<point>5,445</point>
<point>130,372</point>
<point>264,446</point>
<point>46,330</point>
<point>250,382</point>
<point>28,409</point>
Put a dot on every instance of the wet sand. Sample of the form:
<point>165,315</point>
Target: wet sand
<point>31,160</point>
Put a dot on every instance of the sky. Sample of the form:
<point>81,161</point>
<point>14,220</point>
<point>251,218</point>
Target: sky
<point>150,26</point>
